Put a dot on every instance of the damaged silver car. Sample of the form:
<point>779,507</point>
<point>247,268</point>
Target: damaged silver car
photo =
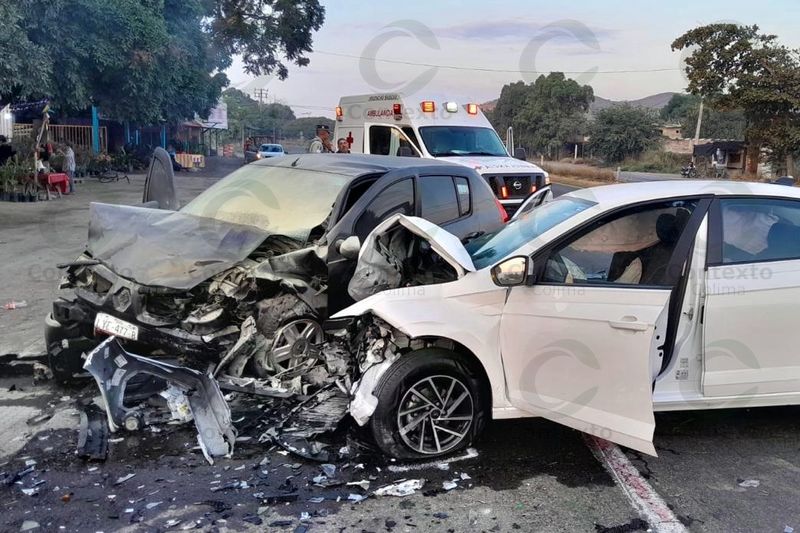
<point>242,277</point>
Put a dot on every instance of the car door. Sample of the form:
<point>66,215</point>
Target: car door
<point>534,200</point>
<point>394,195</point>
<point>580,342</point>
<point>752,289</point>
<point>387,139</point>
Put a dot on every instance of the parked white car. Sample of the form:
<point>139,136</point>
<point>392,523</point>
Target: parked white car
<point>593,310</point>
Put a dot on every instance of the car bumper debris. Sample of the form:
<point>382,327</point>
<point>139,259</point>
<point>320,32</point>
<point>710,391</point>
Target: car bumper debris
<point>113,367</point>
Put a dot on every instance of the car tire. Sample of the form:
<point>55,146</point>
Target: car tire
<point>394,393</point>
<point>274,314</point>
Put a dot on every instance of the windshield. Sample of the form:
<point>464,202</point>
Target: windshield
<point>271,148</point>
<point>276,199</point>
<point>489,248</point>
<point>461,140</point>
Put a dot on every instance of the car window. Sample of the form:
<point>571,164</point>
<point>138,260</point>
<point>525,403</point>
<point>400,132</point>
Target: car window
<point>632,248</point>
<point>437,197</point>
<point>386,140</point>
<point>396,198</point>
<point>464,199</point>
<point>759,229</point>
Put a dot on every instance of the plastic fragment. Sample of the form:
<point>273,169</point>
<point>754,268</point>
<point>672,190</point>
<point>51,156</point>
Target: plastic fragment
<point>402,488</point>
<point>123,479</point>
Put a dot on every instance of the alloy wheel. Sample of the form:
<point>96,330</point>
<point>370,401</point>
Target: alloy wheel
<point>435,414</point>
<point>296,346</point>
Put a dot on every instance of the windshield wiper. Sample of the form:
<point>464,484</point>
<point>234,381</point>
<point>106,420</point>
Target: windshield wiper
<point>484,153</point>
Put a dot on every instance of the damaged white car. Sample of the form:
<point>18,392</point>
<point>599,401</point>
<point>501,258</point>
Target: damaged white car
<point>593,310</point>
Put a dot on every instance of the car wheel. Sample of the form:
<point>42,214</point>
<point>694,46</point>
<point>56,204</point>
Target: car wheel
<point>293,332</point>
<point>430,402</point>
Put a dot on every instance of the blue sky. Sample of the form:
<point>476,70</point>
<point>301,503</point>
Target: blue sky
<point>493,43</point>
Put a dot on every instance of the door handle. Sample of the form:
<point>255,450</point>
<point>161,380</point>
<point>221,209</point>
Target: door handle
<point>629,322</point>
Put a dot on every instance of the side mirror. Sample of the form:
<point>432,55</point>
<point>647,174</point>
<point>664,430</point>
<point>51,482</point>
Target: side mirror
<point>520,153</point>
<point>350,247</point>
<point>511,272</point>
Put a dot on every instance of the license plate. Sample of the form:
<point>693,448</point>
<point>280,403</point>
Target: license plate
<point>114,326</point>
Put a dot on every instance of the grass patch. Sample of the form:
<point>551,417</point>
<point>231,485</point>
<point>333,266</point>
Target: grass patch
<point>657,161</point>
<point>583,172</point>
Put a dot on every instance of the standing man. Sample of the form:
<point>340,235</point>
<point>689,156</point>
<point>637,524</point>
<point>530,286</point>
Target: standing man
<point>321,144</point>
<point>69,166</point>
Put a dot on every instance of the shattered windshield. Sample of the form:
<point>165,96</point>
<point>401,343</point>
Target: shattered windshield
<point>490,248</point>
<point>280,200</point>
<point>444,141</point>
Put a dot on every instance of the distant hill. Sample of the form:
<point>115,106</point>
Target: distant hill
<point>654,102</point>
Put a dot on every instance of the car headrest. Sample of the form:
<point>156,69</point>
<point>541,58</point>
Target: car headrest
<point>781,233</point>
<point>669,226</point>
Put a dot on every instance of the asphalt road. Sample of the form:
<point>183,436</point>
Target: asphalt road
<point>733,470</point>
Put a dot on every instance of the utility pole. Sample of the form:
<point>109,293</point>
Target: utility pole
<point>696,140</point>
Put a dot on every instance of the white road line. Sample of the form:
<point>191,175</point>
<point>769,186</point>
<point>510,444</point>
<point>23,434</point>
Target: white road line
<point>643,498</point>
<point>471,453</point>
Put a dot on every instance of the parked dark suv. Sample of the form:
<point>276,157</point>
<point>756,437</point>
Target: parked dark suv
<point>246,272</point>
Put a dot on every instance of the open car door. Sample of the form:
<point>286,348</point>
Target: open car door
<point>534,200</point>
<point>584,338</point>
<point>159,188</point>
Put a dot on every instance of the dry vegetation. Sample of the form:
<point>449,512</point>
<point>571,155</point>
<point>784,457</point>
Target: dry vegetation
<point>560,170</point>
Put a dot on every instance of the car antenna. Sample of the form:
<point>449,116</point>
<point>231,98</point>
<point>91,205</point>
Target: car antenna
<point>294,163</point>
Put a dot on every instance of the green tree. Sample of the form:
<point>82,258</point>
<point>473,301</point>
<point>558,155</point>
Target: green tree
<point>147,60</point>
<point>256,118</point>
<point>736,67</point>
<point>545,114</point>
<point>307,126</point>
<point>623,131</point>
<point>684,108</point>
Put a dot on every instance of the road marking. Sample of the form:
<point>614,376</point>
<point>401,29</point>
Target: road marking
<point>643,498</point>
<point>471,453</point>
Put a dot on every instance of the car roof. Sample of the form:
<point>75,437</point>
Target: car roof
<point>628,193</point>
<point>355,165</point>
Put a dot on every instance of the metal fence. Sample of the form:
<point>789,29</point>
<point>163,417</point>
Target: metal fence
<point>79,136</point>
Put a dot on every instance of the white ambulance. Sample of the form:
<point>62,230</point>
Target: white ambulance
<point>391,124</point>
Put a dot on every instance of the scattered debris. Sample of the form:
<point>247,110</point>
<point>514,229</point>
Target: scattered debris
<point>29,525</point>
<point>748,483</point>
<point>449,485</point>
<point>14,304</point>
<point>470,454</point>
<point>364,484</point>
<point>401,488</point>
<point>124,478</point>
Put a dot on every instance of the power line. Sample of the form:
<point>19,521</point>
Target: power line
<point>488,69</point>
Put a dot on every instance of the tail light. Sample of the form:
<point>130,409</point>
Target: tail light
<point>502,210</point>
<point>428,106</point>
<point>339,113</point>
<point>472,109</point>
<point>533,188</point>
<point>504,192</point>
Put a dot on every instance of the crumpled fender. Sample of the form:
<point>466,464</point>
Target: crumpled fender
<point>466,311</point>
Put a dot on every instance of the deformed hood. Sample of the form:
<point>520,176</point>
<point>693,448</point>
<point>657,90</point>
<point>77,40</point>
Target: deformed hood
<point>167,248</point>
